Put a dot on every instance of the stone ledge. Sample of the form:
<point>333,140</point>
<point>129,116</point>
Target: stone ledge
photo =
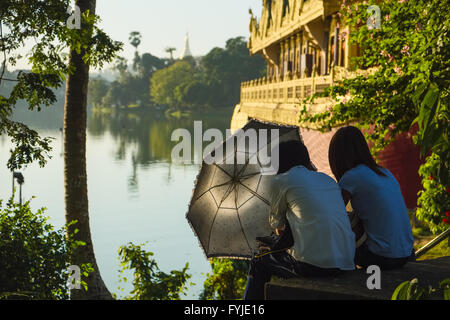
<point>352,285</point>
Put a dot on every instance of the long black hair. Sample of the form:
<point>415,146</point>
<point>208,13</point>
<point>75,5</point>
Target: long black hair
<point>293,153</point>
<point>348,148</point>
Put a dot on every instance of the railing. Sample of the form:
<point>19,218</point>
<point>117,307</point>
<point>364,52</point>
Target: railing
<point>287,90</point>
<point>291,89</point>
<point>444,235</point>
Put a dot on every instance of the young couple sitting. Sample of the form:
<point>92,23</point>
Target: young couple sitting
<point>313,205</point>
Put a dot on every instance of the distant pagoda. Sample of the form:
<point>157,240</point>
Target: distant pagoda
<point>186,51</point>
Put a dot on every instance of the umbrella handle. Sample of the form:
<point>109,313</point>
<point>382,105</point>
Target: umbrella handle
<point>257,256</point>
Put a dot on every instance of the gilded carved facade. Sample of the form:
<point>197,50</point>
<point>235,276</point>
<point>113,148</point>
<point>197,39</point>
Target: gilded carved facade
<point>306,48</point>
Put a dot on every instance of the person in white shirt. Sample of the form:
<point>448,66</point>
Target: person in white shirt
<point>311,204</point>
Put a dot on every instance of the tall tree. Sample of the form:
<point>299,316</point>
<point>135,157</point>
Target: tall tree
<point>46,22</point>
<point>170,51</point>
<point>135,40</point>
<point>75,175</point>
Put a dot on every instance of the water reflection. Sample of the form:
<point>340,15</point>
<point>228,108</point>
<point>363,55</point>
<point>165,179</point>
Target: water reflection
<point>136,194</point>
<point>150,132</point>
<point>145,137</point>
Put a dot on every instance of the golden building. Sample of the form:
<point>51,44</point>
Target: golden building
<point>307,49</point>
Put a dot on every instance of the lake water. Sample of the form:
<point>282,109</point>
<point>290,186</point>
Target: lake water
<point>136,194</point>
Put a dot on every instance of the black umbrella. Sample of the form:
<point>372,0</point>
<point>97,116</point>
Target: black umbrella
<point>230,203</point>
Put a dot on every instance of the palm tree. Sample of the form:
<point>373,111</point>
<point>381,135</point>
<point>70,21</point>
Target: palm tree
<point>135,40</point>
<point>75,176</point>
<point>170,50</point>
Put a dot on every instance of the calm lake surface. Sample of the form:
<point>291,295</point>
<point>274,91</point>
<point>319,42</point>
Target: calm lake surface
<point>135,193</point>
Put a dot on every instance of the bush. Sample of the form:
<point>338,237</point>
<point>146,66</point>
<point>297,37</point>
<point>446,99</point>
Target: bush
<point>434,199</point>
<point>33,256</point>
<point>149,282</point>
<point>227,281</point>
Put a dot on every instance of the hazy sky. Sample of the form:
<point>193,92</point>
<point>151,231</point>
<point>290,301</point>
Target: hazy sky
<point>164,23</point>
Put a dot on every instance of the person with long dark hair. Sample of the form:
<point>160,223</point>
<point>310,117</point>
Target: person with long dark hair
<point>376,198</point>
<point>308,205</point>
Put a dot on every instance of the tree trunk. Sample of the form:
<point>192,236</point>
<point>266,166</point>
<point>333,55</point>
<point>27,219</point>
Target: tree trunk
<point>75,175</point>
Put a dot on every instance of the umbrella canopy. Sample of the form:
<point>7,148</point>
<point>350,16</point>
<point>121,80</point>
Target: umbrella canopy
<point>230,203</point>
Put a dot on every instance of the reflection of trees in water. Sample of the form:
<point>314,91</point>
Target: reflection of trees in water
<point>133,178</point>
<point>147,135</point>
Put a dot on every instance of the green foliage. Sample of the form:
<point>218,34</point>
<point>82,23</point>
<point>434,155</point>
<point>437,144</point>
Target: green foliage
<point>165,83</point>
<point>44,22</point>
<point>149,282</point>
<point>130,88</point>
<point>408,86</point>
<point>223,71</point>
<point>227,281</point>
<point>98,89</point>
<point>33,255</point>
<point>434,199</point>
<point>214,83</point>
<point>410,290</point>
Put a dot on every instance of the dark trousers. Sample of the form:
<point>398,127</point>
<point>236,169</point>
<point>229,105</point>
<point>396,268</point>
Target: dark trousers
<point>364,258</point>
<point>280,264</point>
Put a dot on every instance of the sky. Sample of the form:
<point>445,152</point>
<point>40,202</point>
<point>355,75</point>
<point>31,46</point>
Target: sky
<point>164,23</point>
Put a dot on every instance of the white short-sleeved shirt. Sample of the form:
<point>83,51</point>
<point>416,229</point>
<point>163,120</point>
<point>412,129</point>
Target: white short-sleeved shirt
<point>313,205</point>
<point>379,203</point>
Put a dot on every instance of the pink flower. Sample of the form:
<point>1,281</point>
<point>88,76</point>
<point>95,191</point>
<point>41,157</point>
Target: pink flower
<point>398,70</point>
<point>405,50</point>
<point>401,1</point>
<point>387,17</point>
<point>342,35</point>
<point>385,54</point>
